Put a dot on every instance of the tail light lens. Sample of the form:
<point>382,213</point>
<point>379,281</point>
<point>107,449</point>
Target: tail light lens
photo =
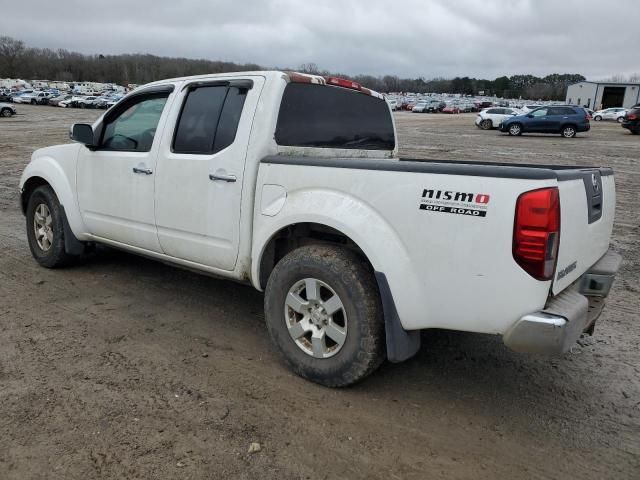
<point>536,234</point>
<point>632,116</point>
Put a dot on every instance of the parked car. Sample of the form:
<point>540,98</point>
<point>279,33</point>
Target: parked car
<point>632,120</point>
<point>451,109</point>
<point>352,261</point>
<point>42,98</point>
<point>435,106</point>
<point>492,117</point>
<point>60,98</point>
<point>16,97</point>
<point>5,96</point>
<point>393,104</point>
<point>420,107</point>
<point>34,98</point>
<point>466,107</point>
<point>616,114</point>
<point>408,105</point>
<point>86,102</point>
<point>7,110</point>
<point>529,108</point>
<point>19,93</point>
<point>71,102</point>
<point>484,104</point>
<point>563,119</point>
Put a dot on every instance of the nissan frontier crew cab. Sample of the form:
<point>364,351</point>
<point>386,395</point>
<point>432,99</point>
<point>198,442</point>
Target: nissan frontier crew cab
<point>292,182</point>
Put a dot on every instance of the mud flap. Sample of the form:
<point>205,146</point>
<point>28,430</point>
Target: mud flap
<point>72,245</point>
<point>401,344</point>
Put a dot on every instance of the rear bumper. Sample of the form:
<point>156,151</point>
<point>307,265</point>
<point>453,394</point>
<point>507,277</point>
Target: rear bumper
<point>556,328</point>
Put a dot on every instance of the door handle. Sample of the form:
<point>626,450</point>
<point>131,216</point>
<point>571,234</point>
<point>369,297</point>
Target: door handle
<point>224,178</point>
<point>146,171</point>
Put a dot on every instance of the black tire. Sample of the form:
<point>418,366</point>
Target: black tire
<point>353,282</point>
<point>597,118</point>
<point>34,101</point>
<point>55,256</point>
<point>515,129</point>
<point>486,124</point>
<point>620,119</point>
<point>6,112</point>
<point>635,132</point>
<point>568,131</point>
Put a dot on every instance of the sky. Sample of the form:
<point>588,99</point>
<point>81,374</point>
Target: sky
<point>412,38</point>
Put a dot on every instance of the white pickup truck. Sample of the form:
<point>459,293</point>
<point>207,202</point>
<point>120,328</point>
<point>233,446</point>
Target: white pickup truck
<point>292,182</point>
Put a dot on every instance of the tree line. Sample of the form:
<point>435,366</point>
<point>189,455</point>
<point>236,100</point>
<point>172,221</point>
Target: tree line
<point>17,60</point>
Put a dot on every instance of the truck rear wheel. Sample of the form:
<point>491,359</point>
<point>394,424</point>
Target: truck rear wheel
<point>45,228</point>
<point>323,312</point>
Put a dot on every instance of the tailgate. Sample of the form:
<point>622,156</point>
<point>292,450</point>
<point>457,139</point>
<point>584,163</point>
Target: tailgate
<point>587,205</point>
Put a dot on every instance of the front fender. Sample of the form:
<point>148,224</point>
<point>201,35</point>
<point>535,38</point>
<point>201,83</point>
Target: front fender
<point>354,218</point>
<point>62,181</point>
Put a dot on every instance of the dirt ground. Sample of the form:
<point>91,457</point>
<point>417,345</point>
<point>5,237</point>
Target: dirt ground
<point>122,367</point>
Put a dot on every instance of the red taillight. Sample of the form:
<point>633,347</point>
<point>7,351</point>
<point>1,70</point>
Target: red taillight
<point>536,233</point>
<point>632,116</point>
<point>344,83</point>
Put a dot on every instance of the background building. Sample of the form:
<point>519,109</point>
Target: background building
<point>597,95</point>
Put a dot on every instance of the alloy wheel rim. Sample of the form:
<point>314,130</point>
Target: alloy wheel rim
<point>569,132</point>
<point>315,318</point>
<point>515,129</point>
<point>43,227</point>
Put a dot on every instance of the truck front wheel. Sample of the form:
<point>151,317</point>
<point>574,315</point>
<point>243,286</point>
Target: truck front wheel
<point>323,312</point>
<point>45,228</point>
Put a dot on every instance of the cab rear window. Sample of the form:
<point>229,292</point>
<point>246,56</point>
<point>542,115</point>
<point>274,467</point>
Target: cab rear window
<point>332,117</point>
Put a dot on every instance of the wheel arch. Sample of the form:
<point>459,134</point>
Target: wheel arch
<point>47,171</point>
<point>295,235</point>
<point>400,344</point>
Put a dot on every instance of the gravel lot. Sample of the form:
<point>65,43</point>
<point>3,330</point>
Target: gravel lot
<point>125,368</point>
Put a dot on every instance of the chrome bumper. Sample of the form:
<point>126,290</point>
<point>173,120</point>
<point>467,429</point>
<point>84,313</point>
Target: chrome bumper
<point>565,317</point>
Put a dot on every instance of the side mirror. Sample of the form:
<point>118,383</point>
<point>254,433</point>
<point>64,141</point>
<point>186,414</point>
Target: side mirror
<point>82,133</point>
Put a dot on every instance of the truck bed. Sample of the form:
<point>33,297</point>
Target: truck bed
<point>448,167</point>
<point>452,270</point>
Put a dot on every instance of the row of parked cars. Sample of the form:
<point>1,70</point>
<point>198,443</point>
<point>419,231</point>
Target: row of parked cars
<point>566,120</point>
<point>56,98</point>
<point>437,106</point>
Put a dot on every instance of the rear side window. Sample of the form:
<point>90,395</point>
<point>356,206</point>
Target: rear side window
<point>209,119</point>
<point>333,117</point>
<point>562,111</point>
<point>229,118</point>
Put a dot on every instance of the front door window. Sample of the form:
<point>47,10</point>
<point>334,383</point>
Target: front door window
<point>133,129</point>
